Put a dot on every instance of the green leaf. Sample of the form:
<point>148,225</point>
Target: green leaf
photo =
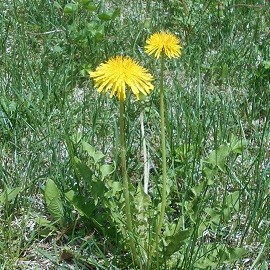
<point>225,70</point>
<point>210,258</point>
<point>226,213</point>
<point>44,222</point>
<point>218,157</point>
<point>88,148</point>
<point>53,200</point>
<point>79,203</point>
<point>70,8</point>
<point>214,215</point>
<point>99,32</point>
<point>51,191</point>
<point>237,146</point>
<point>235,253</point>
<point>266,64</point>
<point>46,227</point>
<point>209,174</point>
<point>233,200</point>
<point>109,16</point>
<point>9,195</point>
<point>106,170</point>
<point>98,190</point>
<point>97,156</point>
<point>229,254</point>
<point>197,190</point>
<point>91,7</point>
<point>57,49</point>
<point>206,263</point>
<point>85,2</point>
<point>114,188</point>
<point>202,227</point>
<point>143,201</point>
<point>85,172</point>
<point>116,13</point>
<point>104,16</point>
<point>83,207</point>
<point>176,241</point>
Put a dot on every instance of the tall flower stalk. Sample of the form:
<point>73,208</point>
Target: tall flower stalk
<point>162,44</point>
<point>163,147</point>
<point>118,74</point>
<point>126,181</point>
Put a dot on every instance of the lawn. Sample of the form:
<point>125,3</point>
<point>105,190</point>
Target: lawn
<point>86,183</point>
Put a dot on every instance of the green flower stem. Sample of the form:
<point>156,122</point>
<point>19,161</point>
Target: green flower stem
<point>164,167</point>
<point>126,182</point>
<point>163,149</point>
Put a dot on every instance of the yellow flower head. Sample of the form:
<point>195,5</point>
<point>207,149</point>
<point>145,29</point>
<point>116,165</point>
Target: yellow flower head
<point>163,42</point>
<point>121,72</point>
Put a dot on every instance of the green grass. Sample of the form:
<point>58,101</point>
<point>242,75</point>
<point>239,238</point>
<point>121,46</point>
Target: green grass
<point>217,94</point>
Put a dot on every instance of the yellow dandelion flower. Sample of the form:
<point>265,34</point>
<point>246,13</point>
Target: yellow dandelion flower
<point>163,42</point>
<point>120,73</point>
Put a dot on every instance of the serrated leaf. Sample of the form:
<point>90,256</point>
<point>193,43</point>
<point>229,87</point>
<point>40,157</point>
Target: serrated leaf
<point>176,241</point>
<point>98,190</point>
<point>116,187</point>
<point>83,207</point>
<point>79,203</point>
<point>85,172</point>
<point>142,203</point>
